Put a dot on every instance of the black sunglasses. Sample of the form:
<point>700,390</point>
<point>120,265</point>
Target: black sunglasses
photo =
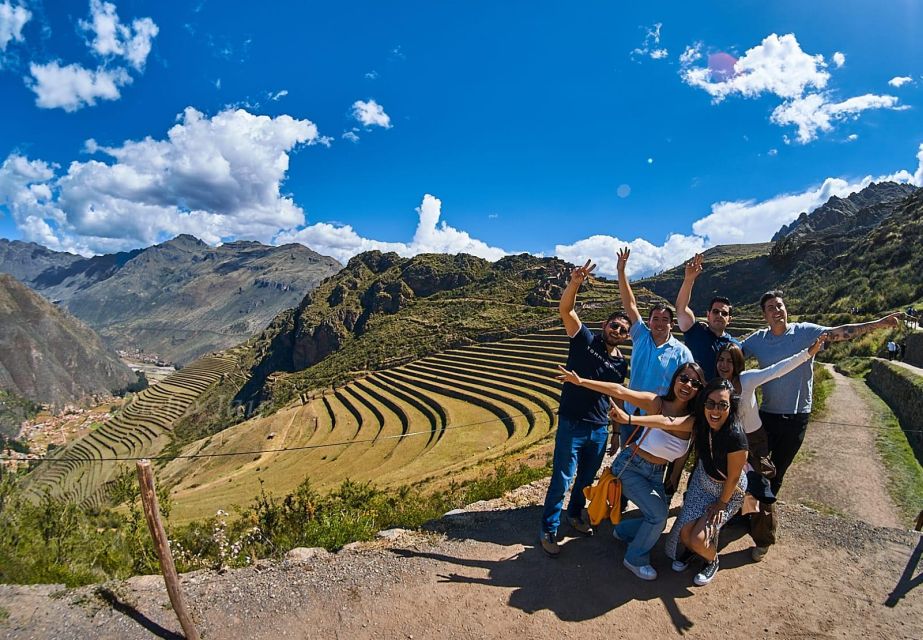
<point>695,384</point>
<point>722,405</point>
<point>618,328</point>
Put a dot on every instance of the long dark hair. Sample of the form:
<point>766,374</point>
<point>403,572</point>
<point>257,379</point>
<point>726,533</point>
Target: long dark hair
<point>701,427</point>
<point>670,395</point>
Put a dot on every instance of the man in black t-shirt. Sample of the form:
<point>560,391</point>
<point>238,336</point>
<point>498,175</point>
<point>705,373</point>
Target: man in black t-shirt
<point>704,339</point>
<point>583,416</point>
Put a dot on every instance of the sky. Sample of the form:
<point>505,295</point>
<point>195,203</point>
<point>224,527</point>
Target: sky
<point>485,127</point>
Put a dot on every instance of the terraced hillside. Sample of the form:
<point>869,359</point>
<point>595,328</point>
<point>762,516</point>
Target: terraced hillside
<point>81,474</point>
<point>411,423</point>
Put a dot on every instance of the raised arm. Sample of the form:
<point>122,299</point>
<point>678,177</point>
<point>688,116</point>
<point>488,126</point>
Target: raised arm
<point>850,331</point>
<point>753,378</point>
<point>628,297</point>
<point>641,399</point>
<point>670,423</point>
<point>569,298</point>
<point>684,315</point>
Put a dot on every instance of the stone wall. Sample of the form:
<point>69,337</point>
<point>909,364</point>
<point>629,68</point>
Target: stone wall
<point>914,354</point>
<point>903,391</point>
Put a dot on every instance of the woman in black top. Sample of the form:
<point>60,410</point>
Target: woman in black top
<point>716,489</point>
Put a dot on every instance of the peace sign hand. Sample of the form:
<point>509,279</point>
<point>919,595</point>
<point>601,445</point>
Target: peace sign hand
<point>579,274</point>
<point>623,254</point>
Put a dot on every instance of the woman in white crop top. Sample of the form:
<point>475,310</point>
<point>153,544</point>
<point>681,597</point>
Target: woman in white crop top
<point>730,366</point>
<point>641,466</point>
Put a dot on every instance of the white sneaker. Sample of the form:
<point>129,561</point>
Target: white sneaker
<point>682,563</point>
<point>647,572</point>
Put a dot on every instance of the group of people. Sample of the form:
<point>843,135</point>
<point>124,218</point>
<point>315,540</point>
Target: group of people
<point>693,395</point>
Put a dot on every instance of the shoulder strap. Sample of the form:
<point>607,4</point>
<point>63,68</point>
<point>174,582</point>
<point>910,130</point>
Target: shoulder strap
<point>634,451</point>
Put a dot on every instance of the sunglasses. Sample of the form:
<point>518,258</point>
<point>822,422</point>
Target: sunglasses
<point>711,405</point>
<point>721,312</point>
<point>695,384</point>
<point>618,328</point>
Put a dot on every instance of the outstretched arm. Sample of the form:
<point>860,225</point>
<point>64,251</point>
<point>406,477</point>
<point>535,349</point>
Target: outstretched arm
<point>641,399</point>
<point>684,314</point>
<point>569,298</point>
<point>753,378</point>
<point>850,331</point>
<point>670,423</point>
<point>625,292</point>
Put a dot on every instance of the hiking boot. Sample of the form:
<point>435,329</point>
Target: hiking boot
<point>758,553</point>
<point>580,525</point>
<point>707,574</point>
<point>682,563</point>
<point>550,544</point>
<point>646,572</point>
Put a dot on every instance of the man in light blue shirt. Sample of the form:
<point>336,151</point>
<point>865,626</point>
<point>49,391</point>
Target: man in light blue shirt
<point>786,406</point>
<point>655,353</point>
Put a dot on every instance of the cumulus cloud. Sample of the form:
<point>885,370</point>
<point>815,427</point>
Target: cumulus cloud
<point>431,236</point>
<point>814,113</point>
<point>351,135</point>
<point>899,81</point>
<point>112,39</point>
<point>691,54</point>
<point>650,47</point>
<point>12,19</point>
<point>73,87</point>
<point>777,65</point>
<point>646,258</point>
<point>371,114</point>
<point>215,177</point>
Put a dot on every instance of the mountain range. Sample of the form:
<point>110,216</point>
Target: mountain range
<point>179,299</point>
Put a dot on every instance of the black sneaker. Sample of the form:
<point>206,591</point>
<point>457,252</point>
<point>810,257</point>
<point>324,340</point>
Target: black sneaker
<point>580,525</point>
<point>550,544</point>
<point>707,574</point>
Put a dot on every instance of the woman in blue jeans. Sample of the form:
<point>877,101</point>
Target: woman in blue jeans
<point>643,463</point>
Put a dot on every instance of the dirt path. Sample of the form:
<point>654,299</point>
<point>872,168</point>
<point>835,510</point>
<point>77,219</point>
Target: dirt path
<point>479,574</point>
<point>838,469</point>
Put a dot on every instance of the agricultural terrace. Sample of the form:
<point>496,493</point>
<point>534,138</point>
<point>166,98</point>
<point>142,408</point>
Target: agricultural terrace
<point>80,473</point>
<point>457,409</point>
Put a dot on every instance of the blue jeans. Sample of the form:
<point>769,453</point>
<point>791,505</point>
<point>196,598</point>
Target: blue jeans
<point>642,483</point>
<point>579,447</point>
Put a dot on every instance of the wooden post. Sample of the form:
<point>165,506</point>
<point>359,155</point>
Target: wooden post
<point>162,546</point>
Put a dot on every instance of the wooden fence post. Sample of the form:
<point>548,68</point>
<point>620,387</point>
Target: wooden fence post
<point>162,546</point>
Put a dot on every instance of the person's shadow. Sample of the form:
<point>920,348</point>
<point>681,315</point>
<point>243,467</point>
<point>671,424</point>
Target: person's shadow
<point>586,581</point>
<point>907,581</point>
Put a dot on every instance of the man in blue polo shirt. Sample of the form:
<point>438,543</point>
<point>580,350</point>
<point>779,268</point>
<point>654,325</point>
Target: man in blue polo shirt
<point>583,416</point>
<point>655,353</point>
<point>704,339</point>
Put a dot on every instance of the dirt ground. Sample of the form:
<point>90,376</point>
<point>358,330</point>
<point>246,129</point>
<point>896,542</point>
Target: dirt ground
<point>479,574</point>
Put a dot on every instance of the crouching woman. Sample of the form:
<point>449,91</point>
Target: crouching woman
<point>716,489</point>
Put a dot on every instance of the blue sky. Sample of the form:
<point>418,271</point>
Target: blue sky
<point>487,127</point>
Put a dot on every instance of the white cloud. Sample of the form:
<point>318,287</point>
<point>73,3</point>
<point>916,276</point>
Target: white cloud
<point>351,136</point>
<point>729,222</point>
<point>73,87</point>
<point>112,39</point>
<point>646,258</point>
<point>692,53</point>
<point>278,95</point>
<point>899,81</point>
<point>12,20</point>
<point>777,65</point>
<point>773,152</point>
<point>371,75</point>
<point>852,137</point>
<point>839,59</point>
<point>371,114</point>
<point>215,177</point>
<point>813,113</point>
<point>651,45</point>
<point>431,236</point>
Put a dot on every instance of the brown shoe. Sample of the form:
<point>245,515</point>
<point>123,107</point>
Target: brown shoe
<point>550,544</point>
<point>580,525</point>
